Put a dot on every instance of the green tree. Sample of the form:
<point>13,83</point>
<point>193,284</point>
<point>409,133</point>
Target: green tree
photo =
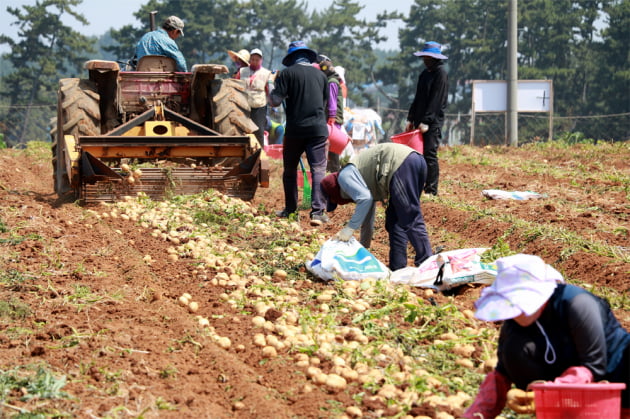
<point>350,42</point>
<point>212,27</point>
<point>272,25</point>
<point>45,48</point>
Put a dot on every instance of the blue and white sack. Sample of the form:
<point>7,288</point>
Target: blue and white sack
<point>346,260</point>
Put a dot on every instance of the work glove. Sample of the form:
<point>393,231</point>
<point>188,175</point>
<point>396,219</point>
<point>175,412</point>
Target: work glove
<point>575,375</point>
<point>345,234</point>
<point>521,401</point>
<point>491,397</point>
<point>423,128</point>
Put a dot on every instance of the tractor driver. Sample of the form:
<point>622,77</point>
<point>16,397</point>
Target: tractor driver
<point>162,42</point>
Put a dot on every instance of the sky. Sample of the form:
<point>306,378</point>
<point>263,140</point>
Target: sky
<point>104,14</point>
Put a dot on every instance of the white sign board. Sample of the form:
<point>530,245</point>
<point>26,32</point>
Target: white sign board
<point>491,96</point>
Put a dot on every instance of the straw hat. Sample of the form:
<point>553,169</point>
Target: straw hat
<point>242,55</point>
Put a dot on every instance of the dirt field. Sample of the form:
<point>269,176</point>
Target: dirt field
<point>128,349</point>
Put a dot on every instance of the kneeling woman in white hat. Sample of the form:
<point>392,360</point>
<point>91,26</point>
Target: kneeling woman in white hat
<point>552,332</point>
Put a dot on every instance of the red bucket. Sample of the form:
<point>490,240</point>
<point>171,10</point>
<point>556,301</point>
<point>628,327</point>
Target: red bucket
<point>412,138</point>
<point>337,139</point>
<point>577,401</point>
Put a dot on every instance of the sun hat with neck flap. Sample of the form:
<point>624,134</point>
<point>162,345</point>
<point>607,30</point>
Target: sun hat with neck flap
<point>431,49</point>
<point>523,284</point>
<point>296,46</point>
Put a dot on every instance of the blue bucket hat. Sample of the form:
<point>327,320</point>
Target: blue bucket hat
<point>431,49</point>
<point>298,46</point>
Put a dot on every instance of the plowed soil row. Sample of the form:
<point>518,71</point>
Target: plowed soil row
<point>135,352</point>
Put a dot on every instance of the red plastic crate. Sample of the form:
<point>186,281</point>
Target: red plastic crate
<point>274,151</point>
<point>577,401</point>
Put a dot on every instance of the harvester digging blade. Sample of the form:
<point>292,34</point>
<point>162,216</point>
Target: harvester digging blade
<point>94,170</point>
<point>247,166</point>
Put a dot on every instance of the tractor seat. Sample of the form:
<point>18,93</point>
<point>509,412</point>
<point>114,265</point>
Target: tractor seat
<point>156,64</point>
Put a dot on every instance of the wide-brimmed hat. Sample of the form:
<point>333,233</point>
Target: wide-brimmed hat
<point>255,51</point>
<point>242,55</point>
<point>523,284</point>
<point>298,46</point>
<point>431,49</point>
<point>175,23</point>
<point>332,192</point>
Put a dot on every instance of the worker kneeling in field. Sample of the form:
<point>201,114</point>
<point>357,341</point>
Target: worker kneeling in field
<point>552,332</point>
<point>389,172</point>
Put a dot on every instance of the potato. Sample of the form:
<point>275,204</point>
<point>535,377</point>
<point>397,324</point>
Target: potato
<point>183,301</point>
<point>224,342</point>
<point>259,340</point>
<point>280,274</point>
<point>269,352</point>
<point>354,412</point>
<point>465,351</point>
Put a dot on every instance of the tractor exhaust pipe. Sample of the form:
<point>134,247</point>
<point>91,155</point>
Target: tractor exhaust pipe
<point>152,19</point>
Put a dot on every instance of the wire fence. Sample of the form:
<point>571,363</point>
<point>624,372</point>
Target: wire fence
<point>21,124</point>
<point>490,128</point>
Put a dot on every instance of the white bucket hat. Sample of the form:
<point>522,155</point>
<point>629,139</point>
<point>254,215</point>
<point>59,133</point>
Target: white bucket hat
<point>523,284</point>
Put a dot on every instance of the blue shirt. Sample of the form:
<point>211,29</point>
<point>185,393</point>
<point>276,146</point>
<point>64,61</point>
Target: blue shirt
<point>353,186</point>
<point>159,43</point>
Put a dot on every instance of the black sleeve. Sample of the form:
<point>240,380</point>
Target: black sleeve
<point>586,326</point>
<point>411,116</point>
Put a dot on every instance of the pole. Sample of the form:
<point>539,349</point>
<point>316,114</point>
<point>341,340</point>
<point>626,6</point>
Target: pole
<point>152,20</point>
<point>512,91</point>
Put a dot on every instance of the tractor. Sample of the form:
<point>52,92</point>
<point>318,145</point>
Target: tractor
<point>154,131</point>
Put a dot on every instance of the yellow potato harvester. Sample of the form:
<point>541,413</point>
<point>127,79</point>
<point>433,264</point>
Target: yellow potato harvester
<point>155,131</point>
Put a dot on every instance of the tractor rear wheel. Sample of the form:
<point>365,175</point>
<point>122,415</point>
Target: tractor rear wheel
<point>78,114</point>
<point>230,110</point>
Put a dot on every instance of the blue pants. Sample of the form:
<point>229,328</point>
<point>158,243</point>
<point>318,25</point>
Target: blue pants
<point>403,217</point>
<point>315,149</point>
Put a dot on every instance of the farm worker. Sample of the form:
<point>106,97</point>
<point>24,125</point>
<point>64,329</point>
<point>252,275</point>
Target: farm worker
<point>162,42</point>
<point>240,59</point>
<point>259,83</point>
<point>552,331</point>
<point>386,172</point>
<point>334,109</point>
<point>305,90</point>
<point>426,112</point>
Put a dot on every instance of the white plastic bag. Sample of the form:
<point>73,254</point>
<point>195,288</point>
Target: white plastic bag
<point>516,195</point>
<point>346,260</point>
<point>448,270</point>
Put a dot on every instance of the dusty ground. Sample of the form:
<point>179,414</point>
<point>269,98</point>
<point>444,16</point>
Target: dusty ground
<point>129,353</point>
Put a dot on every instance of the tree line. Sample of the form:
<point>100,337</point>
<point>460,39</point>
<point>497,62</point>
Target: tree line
<point>580,45</point>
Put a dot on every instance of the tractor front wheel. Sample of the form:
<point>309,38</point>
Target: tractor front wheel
<point>78,114</point>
